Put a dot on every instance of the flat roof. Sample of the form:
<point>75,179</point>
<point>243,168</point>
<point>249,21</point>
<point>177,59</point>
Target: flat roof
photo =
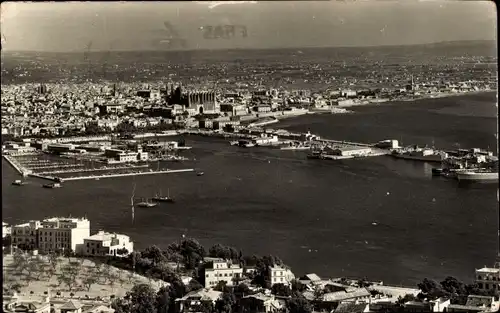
<point>488,270</point>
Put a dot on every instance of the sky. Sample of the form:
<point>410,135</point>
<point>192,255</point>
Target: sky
<point>71,26</point>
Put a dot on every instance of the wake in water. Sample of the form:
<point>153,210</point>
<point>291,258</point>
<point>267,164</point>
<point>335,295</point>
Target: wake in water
<point>132,203</point>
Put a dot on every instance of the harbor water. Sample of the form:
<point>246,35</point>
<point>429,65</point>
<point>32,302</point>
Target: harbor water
<point>378,217</point>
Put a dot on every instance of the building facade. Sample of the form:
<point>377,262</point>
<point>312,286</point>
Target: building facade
<point>222,270</point>
<point>488,278</point>
<point>61,234</point>
<point>281,275</point>
<point>103,243</point>
<point>25,236</point>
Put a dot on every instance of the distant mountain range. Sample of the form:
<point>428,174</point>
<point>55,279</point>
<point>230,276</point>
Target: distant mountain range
<point>463,44</point>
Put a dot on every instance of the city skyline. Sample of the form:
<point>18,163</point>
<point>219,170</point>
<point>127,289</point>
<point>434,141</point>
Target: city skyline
<point>35,27</point>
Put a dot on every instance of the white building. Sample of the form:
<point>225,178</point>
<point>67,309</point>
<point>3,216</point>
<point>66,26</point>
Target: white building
<point>281,275</point>
<point>5,230</point>
<point>488,278</point>
<point>24,236</point>
<point>59,233</point>
<point>104,243</point>
<point>352,151</point>
<point>222,270</point>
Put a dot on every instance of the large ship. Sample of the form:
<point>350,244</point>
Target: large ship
<point>419,154</point>
<point>478,175</point>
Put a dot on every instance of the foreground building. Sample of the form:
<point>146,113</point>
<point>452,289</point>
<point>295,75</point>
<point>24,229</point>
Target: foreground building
<point>281,275</point>
<point>25,236</point>
<point>59,233</point>
<point>221,270</point>
<point>52,234</point>
<point>195,301</point>
<point>487,278</point>
<point>107,244</point>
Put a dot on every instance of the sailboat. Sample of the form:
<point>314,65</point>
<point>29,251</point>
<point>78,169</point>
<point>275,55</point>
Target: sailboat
<point>146,204</point>
<point>160,198</point>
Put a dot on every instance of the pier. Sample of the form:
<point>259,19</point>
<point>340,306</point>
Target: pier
<point>51,178</point>
<point>56,166</point>
<point>127,174</point>
<point>92,169</point>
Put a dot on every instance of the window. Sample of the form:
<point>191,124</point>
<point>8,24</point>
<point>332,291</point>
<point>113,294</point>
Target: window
<point>478,277</point>
<point>487,286</point>
<point>207,275</point>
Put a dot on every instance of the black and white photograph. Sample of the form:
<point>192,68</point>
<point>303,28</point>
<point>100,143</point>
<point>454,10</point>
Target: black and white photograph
<point>250,156</point>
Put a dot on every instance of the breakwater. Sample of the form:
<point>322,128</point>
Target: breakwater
<point>16,166</point>
<point>128,174</point>
<point>46,177</point>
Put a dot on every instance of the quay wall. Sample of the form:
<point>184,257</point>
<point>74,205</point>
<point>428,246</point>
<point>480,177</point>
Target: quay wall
<point>51,178</point>
<point>128,174</point>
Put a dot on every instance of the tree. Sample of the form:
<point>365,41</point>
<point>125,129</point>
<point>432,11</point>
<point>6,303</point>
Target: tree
<point>89,281</point>
<point>225,303</point>
<point>154,254</point>
<point>297,285</point>
<point>163,300</point>
<point>53,260</point>
<point>318,293</point>
<point>241,291</point>
<point>281,290</point>
<point>71,270</point>
<point>406,298</point>
<point>122,251</point>
<point>453,286</point>
<point>298,305</point>
<point>192,252</point>
<point>431,289</point>
<point>194,285</point>
<point>142,299</point>
<point>221,286</point>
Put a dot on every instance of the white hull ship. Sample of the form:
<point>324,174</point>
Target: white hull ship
<point>484,176</point>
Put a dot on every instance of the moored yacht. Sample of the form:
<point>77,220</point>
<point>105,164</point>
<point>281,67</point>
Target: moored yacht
<point>160,198</point>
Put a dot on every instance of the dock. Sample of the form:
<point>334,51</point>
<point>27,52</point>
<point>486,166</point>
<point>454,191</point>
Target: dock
<point>128,174</point>
<point>92,170</point>
<point>62,165</point>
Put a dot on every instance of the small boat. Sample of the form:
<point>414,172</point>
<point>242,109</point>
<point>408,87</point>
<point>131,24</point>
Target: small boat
<point>18,182</point>
<point>160,198</point>
<point>146,204</point>
<point>436,171</point>
<point>200,173</point>
<point>53,185</point>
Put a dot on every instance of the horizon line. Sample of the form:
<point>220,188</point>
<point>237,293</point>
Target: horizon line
<point>4,50</point>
